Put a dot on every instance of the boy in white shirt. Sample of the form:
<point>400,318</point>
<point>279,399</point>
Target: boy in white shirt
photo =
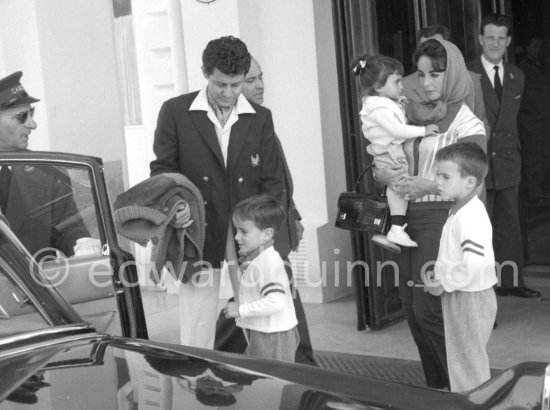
<point>465,270</point>
<point>265,310</point>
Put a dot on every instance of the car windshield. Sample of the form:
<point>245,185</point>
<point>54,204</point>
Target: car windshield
<point>18,312</point>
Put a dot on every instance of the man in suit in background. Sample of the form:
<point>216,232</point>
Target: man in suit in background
<point>227,147</point>
<point>503,85</point>
<point>229,337</point>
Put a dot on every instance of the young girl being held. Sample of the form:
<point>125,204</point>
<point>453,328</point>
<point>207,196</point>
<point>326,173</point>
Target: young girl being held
<point>384,124</point>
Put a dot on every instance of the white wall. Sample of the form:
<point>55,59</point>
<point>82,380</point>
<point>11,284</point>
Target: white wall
<point>20,51</point>
<point>285,46</point>
<point>294,43</point>
<point>80,77</point>
<point>280,36</point>
<point>202,23</point>
<point>66,51</point>
<point>335,244</point>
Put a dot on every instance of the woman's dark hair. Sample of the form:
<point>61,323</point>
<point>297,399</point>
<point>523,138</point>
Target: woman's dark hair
<point>373,71</point>
<point>227,54</point>
<point>435,51</point>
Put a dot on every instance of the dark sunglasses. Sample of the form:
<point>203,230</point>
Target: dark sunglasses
<point>24,116</point>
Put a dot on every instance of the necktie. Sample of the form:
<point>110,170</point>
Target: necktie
<point>5,177</point>
<point>498,84</point>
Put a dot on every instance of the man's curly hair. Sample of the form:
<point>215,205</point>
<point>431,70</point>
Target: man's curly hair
<point>227,54</point>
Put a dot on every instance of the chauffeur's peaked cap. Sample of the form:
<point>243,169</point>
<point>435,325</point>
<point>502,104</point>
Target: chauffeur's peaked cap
<point>12,92</point>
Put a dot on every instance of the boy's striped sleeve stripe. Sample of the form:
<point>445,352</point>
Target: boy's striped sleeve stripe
<point>467,249</point>
<point>273,287</point>
<point>470,246</point>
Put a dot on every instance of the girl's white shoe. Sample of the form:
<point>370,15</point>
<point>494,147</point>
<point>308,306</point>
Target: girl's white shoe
<point>382,240</point>
<point>398,235</point>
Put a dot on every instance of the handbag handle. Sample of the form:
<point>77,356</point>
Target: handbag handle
<point>361,176</point>
<point>355,186</point>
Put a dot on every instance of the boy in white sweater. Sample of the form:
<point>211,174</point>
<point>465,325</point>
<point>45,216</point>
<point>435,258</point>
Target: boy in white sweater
<point>384,124</point>
<point>265,310</point>
<point>465,270</point>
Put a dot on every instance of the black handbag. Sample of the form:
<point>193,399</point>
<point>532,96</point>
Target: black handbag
<point>363,212</point>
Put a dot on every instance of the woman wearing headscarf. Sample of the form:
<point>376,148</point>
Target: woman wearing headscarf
<point>445,82</point>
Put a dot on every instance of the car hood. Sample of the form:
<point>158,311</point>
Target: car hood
<point>99,371</point>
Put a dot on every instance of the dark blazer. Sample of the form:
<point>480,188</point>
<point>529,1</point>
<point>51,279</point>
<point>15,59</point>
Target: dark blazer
<point>186,142</point>
<point>287,239</point>
<point>503,147</point>
<point>41,210</point>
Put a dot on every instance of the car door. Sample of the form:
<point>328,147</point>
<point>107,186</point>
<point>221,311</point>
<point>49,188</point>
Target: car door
<point>58,206</point>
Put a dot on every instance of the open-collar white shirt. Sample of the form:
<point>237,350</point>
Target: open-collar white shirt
<point>242,106</point>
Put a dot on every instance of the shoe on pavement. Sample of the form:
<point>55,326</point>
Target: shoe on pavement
<point>382,241</point>
<point>523,292</point>
<point>398,235</point>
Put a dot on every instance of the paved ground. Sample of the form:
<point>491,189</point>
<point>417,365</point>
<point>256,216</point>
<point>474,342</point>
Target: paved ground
<point>522,334</point>
<point>385,368</point>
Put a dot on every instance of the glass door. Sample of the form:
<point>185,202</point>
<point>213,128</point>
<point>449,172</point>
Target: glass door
<point>369,27</point>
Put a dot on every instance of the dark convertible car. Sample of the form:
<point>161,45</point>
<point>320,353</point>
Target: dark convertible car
<point>73,334</point>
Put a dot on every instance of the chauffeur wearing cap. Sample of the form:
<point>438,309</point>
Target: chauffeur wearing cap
<point>16,114</point>
<point>37,201</point>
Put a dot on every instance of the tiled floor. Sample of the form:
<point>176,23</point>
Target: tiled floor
<point>523,332</point>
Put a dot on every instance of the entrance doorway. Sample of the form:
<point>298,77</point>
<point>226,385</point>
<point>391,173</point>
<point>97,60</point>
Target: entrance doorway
<point>389,27</point>
<point>531,53</point>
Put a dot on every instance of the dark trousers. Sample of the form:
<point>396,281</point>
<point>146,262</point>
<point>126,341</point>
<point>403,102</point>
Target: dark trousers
<point>502,206</point>
<point>423,310</point>
<point>230,338</point>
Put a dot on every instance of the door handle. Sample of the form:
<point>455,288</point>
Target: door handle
<point>21,301</point>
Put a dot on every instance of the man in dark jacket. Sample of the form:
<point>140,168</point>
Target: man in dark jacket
<point>38,202</point>
<point>226,146</point>
<point>503,85</point>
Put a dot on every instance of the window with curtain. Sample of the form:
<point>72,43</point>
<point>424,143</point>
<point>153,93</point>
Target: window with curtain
<point>126,62</point>
<point>127,69</point>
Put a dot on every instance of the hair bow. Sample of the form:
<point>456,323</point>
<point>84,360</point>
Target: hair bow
<point>361,64</point>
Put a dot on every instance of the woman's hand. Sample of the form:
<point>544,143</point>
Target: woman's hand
<point>389,176</point>
<point>415,187</point>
